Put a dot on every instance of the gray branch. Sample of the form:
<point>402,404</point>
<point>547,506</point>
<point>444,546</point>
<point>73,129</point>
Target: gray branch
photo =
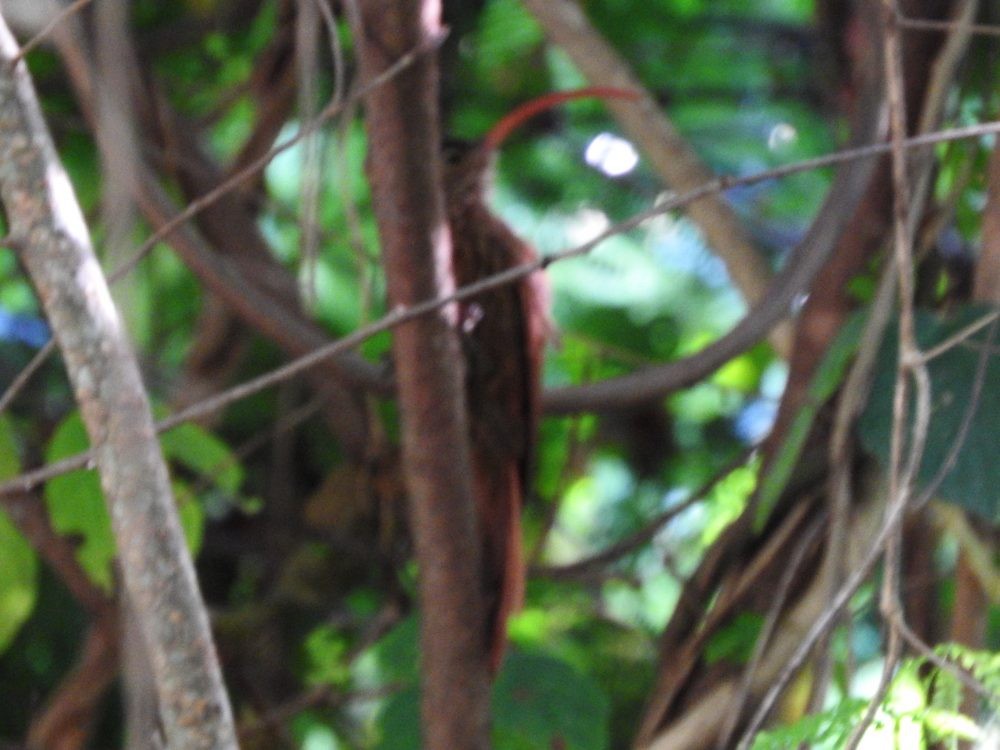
<point>48,231</point>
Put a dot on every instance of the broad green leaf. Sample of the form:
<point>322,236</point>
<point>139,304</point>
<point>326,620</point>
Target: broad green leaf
<point>538,702</point>
<point>541,702</point>
<point>398,652</point>
<point>18,581</point>
<point>18,561</point>
<point>973,481</point>
<point>76,504</point>
<point>204,454</point>
<point>399,722</point>
<point>735,642</point>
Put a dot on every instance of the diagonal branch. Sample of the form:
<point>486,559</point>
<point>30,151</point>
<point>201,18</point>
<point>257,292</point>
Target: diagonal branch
<point>670,376</point>
<point>69,715</point>
<point>54,245</point>
<point>668,152</point>
<point>794,279</point>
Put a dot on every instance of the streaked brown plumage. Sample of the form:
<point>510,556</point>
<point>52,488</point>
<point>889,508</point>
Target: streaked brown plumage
<point>503,335</point>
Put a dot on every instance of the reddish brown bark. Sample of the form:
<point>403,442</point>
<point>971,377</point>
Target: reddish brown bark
<point>404,134</point>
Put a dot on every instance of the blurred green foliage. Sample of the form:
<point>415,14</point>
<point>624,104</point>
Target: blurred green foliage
<point>18,561</point>
<point>76,504</point>
<point>743,83</point>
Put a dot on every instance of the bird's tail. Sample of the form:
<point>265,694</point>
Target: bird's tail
<point>500,497</point>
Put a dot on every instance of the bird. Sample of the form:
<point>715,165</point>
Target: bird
<point>503,333</point>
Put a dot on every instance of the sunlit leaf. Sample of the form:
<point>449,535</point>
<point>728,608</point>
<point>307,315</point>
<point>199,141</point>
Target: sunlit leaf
<point>205,454</point>
<point>326,652</point>
<point>18,561</point>
<point>191,514</point>
<point>76,504</point>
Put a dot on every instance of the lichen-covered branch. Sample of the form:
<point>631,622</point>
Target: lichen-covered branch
<point>47,228</point>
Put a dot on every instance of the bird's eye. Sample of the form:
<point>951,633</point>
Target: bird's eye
<point>454,150</point>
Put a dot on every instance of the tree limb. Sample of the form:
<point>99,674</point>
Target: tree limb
<point>404,165</point>
<point>47,227</point>
<point>793,280</point>
<point>668,152</point>
<point>71,711</point>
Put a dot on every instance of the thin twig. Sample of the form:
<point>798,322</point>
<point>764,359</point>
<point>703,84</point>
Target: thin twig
<point>893,517</point>
<point>254,167</point>
<point>901,473</point>
<point>957,338</point>
<point>775,611</point>
<point>238,456</point>
<point>642,536</point>
<point>853,396</point>
<point>516,274</point>
<point>713,186</point>
<point>892,656</point>
<point>945,665</point>
<point>947,26</point>
<point>402,315</point>
<point>42,35</point>
<point>794,278</point>
<point>25,375</point>
<point>978,381</point>
<point>307,31</point>
<point>720,184</point>
<point>314,155</point>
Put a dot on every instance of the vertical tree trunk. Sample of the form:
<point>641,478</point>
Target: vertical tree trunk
<point>404,134</point>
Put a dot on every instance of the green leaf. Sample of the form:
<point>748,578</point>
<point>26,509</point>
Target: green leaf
<point>204,454</point>
<point>827,729</point>
<point>507,45</point>
<point>191,514</point>
<point>541,702</point>
<point>18,581</point>
<point>973,482</point>
<point>327,657</point>
<point>398,652</point>
<point>735,642</point>
<point>399,722</point>
<point>76,504</point>
<point>10,462</point>
<point>538,702</point>
<point>18,561</point>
